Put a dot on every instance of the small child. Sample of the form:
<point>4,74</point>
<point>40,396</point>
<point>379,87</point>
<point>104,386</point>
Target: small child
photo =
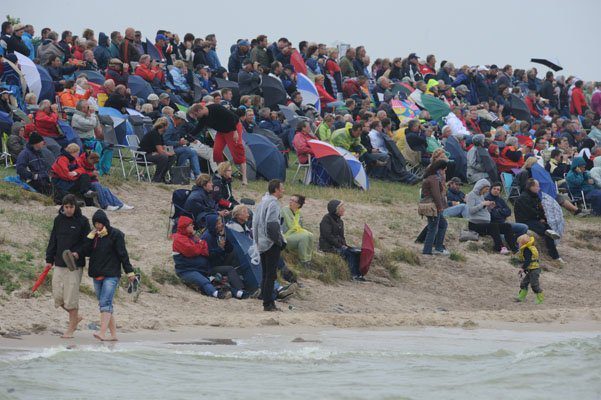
<point>531,268</point>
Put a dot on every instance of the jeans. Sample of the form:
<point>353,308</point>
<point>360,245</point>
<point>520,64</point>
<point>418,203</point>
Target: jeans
<point>184,153</point>
<point>105,196</point>
<point>269,265</point>
<point>352,257</point>
<point>494,230</point>
<point>459,210</point>
<point>539,228</point>
<point>518,229</point>
<point>437,228</point>
<point>594,197</point>
<point>105,291</point>
<point>197,280</point>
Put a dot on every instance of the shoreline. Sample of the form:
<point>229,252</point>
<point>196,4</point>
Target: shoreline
<point>207,336</point>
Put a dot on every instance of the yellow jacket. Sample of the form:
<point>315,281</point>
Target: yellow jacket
<point>530,259</point>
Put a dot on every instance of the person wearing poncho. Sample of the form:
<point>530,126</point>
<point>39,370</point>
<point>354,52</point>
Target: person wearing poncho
<point>298,238</point>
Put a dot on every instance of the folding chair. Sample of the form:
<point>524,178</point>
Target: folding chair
<point>577,197</point>
<point>300,166</point>
<point>138,158</point>
<point>110,137</point>
<point>511,191</point>
<point>8,160</point>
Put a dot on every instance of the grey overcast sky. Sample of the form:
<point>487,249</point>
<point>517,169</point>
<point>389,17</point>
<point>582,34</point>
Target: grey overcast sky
<point>465,32</point>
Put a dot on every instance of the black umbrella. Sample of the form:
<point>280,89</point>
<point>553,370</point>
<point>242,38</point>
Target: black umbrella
<point>222,83</point>
<point>554,65</point>
<point>518,108</point>
<point>274,93</point>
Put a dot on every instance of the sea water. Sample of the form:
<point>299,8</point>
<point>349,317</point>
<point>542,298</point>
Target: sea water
<point>431,363</point>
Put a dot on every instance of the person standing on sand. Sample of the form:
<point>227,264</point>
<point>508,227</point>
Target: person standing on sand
<point>105,246</point>
<point>269,240</point>
<point>64,251</point>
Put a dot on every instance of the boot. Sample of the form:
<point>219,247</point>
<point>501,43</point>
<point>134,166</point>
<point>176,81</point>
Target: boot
<point>522,295</point>
<point>539,298</point>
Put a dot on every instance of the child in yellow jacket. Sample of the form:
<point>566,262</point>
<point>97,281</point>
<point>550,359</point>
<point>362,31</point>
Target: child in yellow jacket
<point>531,268</point>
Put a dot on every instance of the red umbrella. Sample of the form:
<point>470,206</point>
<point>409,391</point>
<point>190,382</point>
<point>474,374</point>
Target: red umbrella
<point>367,250</point>
<point>41,278</point>
<point>298,63</point>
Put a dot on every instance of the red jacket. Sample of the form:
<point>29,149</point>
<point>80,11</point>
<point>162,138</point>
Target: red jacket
<point>532,107</point>
<point>64,164</point>
<point>302,147</point>
<point>324,96</point>
<point>47,124</point>
<point>578,101</point>
<point>89,169</point>
<point>351,87</point>
<point>188,246</point>
<point>78,53</point>
<point>149,74</point>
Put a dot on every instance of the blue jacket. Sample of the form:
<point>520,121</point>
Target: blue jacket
<point>213,60</point>
<point>234,64</point>
<point>31,162</point>
<point>102,54</point>
<point>501,211</point>
<point>577,181</point>
<point>179,80</point>
<point>458,196</point>
<point>28,40</point>
<point>274,126</point>
<point>200,204</point>
<point>217,255</point>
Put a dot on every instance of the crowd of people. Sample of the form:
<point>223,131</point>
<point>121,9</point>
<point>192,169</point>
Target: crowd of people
<point>498,125</point>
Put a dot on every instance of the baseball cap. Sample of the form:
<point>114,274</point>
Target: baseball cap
<point>181,115</point>
<point>244,43</point>
<point>166,95</point>
<point>161,37</point>
<point>456,180</point>
<point>462,88</point>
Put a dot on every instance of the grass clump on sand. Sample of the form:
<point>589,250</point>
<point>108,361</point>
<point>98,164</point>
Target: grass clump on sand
<point>13,272</point>
<point>15,194</point>
<point>457,257</point>
<point>327,267</point>
<point>163,276</point>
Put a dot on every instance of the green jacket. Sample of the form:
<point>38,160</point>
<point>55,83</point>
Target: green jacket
<point>342,138</point>
<point>324,133</point>
<point>346,68</point>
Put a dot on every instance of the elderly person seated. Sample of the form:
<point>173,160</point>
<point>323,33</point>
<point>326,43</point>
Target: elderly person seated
<point>326,99</point>
<point>201,203</point>
<point>33,164</point>
<point>84,123</point>
<point>116,72</point>
<point>67,176</point>
<point>57,72</point>
<point>298,238</point>
<point>179,75</point>
<point>150,71</point>
<point>46,124</point>
<point>480,164</point>
<point>106,199</point>
<point>349,138</point>
<point>479,217</point>
<point>175,137</point>
<point>269,120</point>
<point>580,180</point>
<point>301,142</point>
<point>511,157</point>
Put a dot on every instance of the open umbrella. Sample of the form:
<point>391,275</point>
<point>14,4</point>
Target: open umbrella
<point>270,162</point>
<point>139,87</point>
<point>120,123</point>
<point>403,89</point>
<point>307,89</point>
<point>273,138</point>
<point>404,110</point>
<point>518,108</point>
<point>437,108</point>
<point>152,51</point>
<point>32,75</point>
<point>553,63</point>
<point>223,83</point>
<point>250,266</point>
<point>359,174</point>
<point>93,76</point>
<point>274,93</point>
<point>47,91</point>
<point>367,250</point>
<point>41,278</point>
<point>332,162</point>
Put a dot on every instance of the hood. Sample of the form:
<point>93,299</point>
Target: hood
<point>482,183</point>
<point>577,162</point>
<point>478,139</point>
<point>530,242</point>
<point>182,224</point>
<point>211,222</point>
<point>333,206</point>
<point>103,40</point>
<point>100,216</point>
<point>597,162</point>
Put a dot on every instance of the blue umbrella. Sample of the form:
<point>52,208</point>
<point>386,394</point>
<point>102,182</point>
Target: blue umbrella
<point>251,273</point>
<point>270,163</point>
<point>139,87</point>
<point>93,76</point>
<point>121,123</point>
<point>152,51</point>
<point>47,92</point>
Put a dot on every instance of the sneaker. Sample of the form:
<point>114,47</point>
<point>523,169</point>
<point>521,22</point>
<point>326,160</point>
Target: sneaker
<point>287,291</point>
<point>90,194</point>
<point>583,213</point>
<point>69,260</point>
<point>443,252</point>
<point>255,294</point>
<point>559,260</point>
<point>112,208</point>
<point>126,207</point>
<point>271,308</point>
<point>552,234</point>
<point>224,294</point>
<point>504,251</point>
<point>359,278</point>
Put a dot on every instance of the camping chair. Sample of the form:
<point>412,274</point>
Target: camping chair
<point>307,166</point>
<point>138,158</point>
<point>577,197</point>
<point>110,137</point>
<point>8,160</point>
<point>414,160</point>
<point>178,200</point>
<point>511,191</point>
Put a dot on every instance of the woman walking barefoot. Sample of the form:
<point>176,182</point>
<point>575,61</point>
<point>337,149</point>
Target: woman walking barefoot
<point>105,246</point>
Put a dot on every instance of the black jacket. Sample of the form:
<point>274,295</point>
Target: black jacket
<point>220,118</point>
<point>331,230</point>
<point>200,204</point>
<point>68,233</point>
<point>222,193</point>
<point>501,211</point>
<point>107,254</point>
<point>15,43</point>
<point>528,207</point>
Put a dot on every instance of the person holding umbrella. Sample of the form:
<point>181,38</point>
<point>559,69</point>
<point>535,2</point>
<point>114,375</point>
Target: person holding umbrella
<point>64,251</point>
<point>105,246</point>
